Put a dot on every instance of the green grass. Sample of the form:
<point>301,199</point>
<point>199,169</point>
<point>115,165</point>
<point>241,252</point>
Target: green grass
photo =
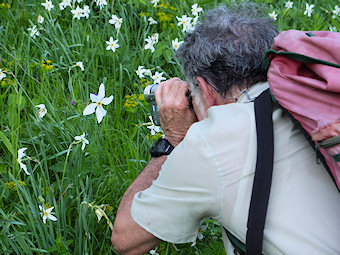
<point>62,175</point>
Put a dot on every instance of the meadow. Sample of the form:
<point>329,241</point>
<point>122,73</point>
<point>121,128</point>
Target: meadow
<point>74,125</point>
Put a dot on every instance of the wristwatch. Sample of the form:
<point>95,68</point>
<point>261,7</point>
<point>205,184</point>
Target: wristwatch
<point>161,147</point>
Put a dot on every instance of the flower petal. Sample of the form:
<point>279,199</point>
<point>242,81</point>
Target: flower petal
<point>101,92</point>
<point>83,146</point>
<point>78,138</point>
<point>100,112</point>
<point>94,98</point>
<point>21,153</point>
<point>107,100</point>
<point>23,166</point>
<point>90,109</point>
<point>52,217</point>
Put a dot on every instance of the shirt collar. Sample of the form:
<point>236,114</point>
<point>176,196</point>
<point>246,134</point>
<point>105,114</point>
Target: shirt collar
<point>248,95</point>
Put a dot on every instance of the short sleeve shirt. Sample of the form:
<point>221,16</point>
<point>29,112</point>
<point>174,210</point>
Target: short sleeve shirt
<point>210,174</point>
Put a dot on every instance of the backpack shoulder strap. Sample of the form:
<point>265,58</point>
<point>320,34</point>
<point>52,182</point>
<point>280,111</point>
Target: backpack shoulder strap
<point>263,173</point>
<point>262,179</point>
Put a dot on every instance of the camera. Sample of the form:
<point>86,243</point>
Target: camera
<point>149,95</point>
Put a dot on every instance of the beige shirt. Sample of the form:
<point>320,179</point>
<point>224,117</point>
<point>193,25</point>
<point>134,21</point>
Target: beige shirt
<point>210,174</point>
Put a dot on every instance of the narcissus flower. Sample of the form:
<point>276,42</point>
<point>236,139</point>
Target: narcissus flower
<point>157,77</point>
<point>140,71</point>
<point>80,64</point>
<point>48,5</point>
<point>289,4</point>
<point>152,21</point>
<point>309,10</point>
<point>195,9</point>
<point>2,74</point>
<point>116,21</point>
<point>77,13</point>
<point>47,214</point>
<point>154,2</point>
<point>42,110</point>
<point>112,44</point>
<point>33,31</point>
<point>86,11</point>
<point>101,3</point>
<point>176,43</point>
<point>153,128</point>
<point>40,19</point>
<point>186,22</point>
<point>22,154</point>
<point>98,102</point>
<point>336,12</point>
<point>81,138</point>
<point>273,15</point>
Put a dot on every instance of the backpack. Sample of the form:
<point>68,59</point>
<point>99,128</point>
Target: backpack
<point>304,79</point>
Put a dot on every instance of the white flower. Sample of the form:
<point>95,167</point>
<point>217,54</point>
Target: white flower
<point>152,21</point>
<point>33,31</point>
<point>77,13</point>
<point>153,252</point>
<point>100,213</point>
<point>112,44</point>
<point>116,21</point>
<point>331,28</point>
<point>86,11</point>
<point>82,139</point>
<point>2,74</point>
<point>48,5</point>
<point>64,4</point>
<point>336,12</point>
<point>98,102</point>
<point>176,43</point>
<point>154,2</point>
<point>148,72</point>
<point>195,9</point>
<point>309,9</point>
<point>40,19</point>
<point>157,78</point>
<point>79,1</point>
<point>186,22</point>
<point>47,214</point>
<point>151,41</point>
<point>194,21</point>
<point>80,64</point>
<point>289,4</point>
<point>42,110</point>
<point>101,3</point>
<point>273,15</point>
<point>21,154</point>
<point>154,129</point>
<point>140,71</point>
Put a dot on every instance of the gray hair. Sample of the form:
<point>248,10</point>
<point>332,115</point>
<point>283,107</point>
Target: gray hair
<point>227,48</point>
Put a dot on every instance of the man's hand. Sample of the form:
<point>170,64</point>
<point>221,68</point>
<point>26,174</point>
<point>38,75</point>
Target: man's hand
<point>173,107</point>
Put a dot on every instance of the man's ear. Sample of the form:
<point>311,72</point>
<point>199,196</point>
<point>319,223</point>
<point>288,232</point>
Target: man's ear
<point>208,91</point>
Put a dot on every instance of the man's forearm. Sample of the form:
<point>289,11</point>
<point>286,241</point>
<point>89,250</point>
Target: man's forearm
<point>143,181</point>
<point>127,236</point>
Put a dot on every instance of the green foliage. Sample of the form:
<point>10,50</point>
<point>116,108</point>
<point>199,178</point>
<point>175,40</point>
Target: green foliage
<point>43,70</point>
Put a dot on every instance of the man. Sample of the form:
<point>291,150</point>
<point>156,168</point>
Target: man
<point>210,172</point>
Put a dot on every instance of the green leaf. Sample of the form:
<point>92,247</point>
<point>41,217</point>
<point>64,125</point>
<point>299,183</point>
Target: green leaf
<point>7,143</point>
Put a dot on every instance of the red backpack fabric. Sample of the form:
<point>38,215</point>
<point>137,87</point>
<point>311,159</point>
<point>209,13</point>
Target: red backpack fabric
<point>304,78</point>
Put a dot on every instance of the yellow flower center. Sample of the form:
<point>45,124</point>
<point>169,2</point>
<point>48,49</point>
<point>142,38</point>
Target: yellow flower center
<point>45,213</point>
<point>99,103</point>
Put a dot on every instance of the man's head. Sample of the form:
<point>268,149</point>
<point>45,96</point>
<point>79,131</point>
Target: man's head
<point>226,48</point>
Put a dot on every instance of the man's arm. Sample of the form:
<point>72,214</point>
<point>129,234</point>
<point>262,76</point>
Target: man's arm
<point>127,236</point>
<point>176,118</point>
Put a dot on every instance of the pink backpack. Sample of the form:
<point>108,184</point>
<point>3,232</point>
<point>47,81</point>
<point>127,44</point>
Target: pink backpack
<point>304,78</point>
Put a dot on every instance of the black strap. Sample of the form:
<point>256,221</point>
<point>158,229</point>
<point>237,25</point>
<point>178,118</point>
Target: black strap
<point>263,174</point>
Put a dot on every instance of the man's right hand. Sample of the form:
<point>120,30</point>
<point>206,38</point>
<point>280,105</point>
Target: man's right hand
<point>173,107</point>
